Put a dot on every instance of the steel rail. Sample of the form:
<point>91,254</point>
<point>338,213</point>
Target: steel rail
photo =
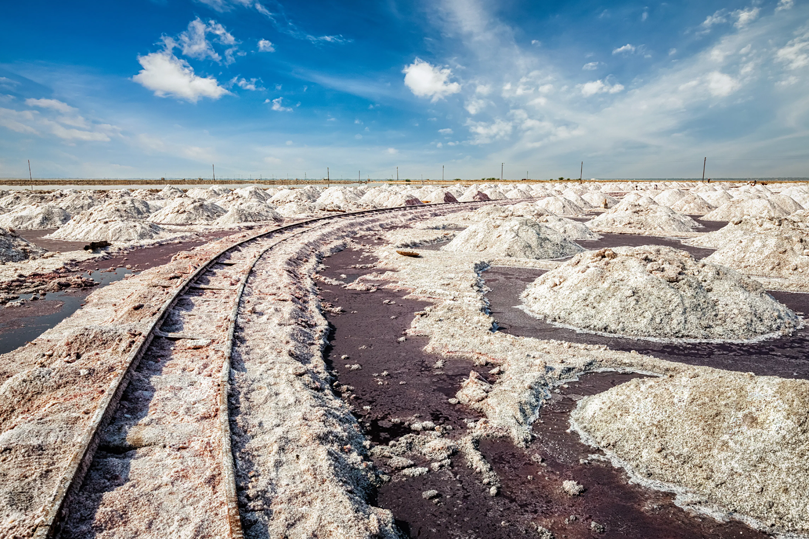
<point>47,526</point>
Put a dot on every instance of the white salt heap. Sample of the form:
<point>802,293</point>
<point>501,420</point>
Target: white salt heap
<point>560,206</point>
<point>187,211</point>
<point>515,237</point>
<point>121,220</point>
<point>572,230</point>
<point>760,246</point>
<point>656,292</point>
<point>692,204</point>
<point>599,200</point>
<point>738,208</point>
<point>15,249</point>
<point>739,443</point>
<point>643,219</point>
<point>249,212</point>
<point>35,217</point>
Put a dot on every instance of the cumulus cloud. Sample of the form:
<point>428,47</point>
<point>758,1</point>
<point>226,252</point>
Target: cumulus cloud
<point>392,151</point>
<point>745,16</point>
<point>446,131</point>
<point>194,41</point>
<point>484,133</point>
<point>166,75</point>
<point>265,46</point>
<point>599,87</point>
<point>721,85</point>
<point>278,105</point>
<point>718,17</point>
<point>253,84</point>
<point>590,66</point>
<point>474,106</point>
<point>628,48</point>
<point>426,80</point>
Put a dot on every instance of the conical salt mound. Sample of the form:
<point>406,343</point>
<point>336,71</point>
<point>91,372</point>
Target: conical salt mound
<point>656,292</point>
<point>187,211</point>
<point>633,218</point>
<point>35,217</point>
<point>249,212</point>
<point>516,237</point>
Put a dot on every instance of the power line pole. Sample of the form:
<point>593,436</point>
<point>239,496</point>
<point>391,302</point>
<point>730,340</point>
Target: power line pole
<point>397,174</point>
<point>501,171</point>
<point>442,173</point>
<point>581,171</point>
<point>328,177</point>
<point>213,169</point>
<point>704,163</point>
<point>30,177</point>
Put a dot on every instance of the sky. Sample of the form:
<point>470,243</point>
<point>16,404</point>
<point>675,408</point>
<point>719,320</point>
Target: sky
<point>260,88</point>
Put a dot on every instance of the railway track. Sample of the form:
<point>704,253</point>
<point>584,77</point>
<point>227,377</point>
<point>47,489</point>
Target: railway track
<point>159,445</point>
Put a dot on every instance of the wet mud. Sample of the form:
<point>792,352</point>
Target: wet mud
<point>786,357</point>
<point>397,381</point>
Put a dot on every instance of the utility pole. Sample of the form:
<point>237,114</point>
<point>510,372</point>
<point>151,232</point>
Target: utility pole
<point>30,177</point>
<point>704,162</point>
<point>328,177</point>
<point>581,172</point>
<point>501,171</point>
<point>359,176</point>
<point>397,174</point>
<point>442,173</point>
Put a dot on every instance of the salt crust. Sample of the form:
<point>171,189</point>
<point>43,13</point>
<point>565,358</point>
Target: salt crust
<point>656,292</point>
<point>37,216</point>
<point>738,440</point>
<point>651,219</point>
<point>514,237</point>
<point>458,325</point>
<point>16,249</point>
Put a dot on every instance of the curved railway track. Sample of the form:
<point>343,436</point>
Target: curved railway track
<point>162,431</point>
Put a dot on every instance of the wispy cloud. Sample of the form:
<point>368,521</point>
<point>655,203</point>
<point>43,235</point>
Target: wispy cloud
<point>194,42</point>
<point>599,87</point>
<point>628,48</point>
<point>277,105</point>
<point>265,46</point>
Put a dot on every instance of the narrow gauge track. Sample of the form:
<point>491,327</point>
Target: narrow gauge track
<point>162,433</point>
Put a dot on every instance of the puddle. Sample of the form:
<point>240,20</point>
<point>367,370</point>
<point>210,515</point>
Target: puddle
<point>19,325</point>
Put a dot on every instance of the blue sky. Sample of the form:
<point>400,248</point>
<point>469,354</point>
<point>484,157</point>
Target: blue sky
<point>164,88</point>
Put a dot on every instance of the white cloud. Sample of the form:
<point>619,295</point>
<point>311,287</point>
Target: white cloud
<point>672,52</point>
<point>225,5</point>
<point>745,16</point>
<point>194,42</point>
<point>18,121</point>
<point>487,132</point>
<point>546,89</point>
<point>721,85</point>
<point>426,80</point>
<point>599,87</point>
<point>719,17</point>
<point>795,54</point>
<point>483,89</point>
<point>439,145</point>
<point>626,48</point>
<point>392,151</point>
<point>52,104</point>
<point>277,105</point>
<point>536,42</point>
<point>474,106</point>
<point>165,75</point>
<point>644,16</point>
<point>265,46</point>
<point>252,84</point>
<point>358,136</point>
<point>590,66</point>
<point>446,131</point>
<point>784,5</point>
<point>7,82</point>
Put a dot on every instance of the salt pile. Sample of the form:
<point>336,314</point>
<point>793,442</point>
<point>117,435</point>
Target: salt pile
<point>15,249</point>
<point>670,196</point>
<point>187,211</point>
<point>516,237</point>
<point>76,203</point>
<point>296,209</point>
<point>737,441</point>
<point>599,200</point>
<point>692,204</point>
<point>798,193</point>
<point>736,209</point>
<point>249,212</point>
<point>35,217</point>
<point>116,221</point>
<point>635,218</point>
<point>337,199</point>
<point>302,195</point>
<point>572,230</point>
<point>560,206</point>
<point>574,197</point>
<point>769,247</point>
<point>656,292</point>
